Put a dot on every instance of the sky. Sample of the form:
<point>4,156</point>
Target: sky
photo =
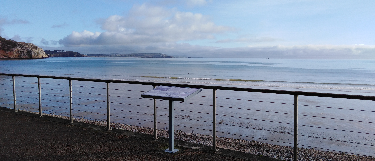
<point>321,29</point>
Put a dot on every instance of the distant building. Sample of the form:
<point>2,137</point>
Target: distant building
<point>62,53</point>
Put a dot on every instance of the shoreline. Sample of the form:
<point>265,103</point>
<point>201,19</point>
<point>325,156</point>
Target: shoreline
<point>199,141</point>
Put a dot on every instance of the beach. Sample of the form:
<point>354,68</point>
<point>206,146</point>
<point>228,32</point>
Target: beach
<point>27,136</point>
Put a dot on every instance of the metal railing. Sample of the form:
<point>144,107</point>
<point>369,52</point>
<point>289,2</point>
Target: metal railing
<point>213,88</point>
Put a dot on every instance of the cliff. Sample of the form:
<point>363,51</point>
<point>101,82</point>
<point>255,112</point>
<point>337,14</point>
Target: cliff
<point>10,49</point>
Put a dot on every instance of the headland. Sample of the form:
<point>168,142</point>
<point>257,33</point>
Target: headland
<point>10,49</point>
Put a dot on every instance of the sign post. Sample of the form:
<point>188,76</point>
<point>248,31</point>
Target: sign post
<point>172,94</point>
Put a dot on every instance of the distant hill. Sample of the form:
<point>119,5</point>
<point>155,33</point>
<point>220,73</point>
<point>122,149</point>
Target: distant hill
<point>10,49</point>
<point>62,53</point>
<point>138,55</point>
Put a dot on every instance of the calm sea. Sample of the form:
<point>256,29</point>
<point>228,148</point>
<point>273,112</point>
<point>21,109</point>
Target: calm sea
<point>340,75</point>
<point>325,123</point>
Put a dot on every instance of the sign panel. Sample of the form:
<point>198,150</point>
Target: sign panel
<point>171,93</point>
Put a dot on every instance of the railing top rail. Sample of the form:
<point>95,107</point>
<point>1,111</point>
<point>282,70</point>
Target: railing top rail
<point>333,95</point>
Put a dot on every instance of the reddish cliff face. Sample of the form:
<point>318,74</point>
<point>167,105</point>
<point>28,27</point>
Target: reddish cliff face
<point>10,49</point>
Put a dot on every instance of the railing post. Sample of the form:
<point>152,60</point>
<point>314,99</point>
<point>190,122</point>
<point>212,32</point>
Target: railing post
<point>71,99</point>
<point>155,123</point>
<point>295,127</point>
<point>214,119</point>
<point>171,129</point>
<point>40,98</point>
<point>14,94</point>
<point>108,109</point>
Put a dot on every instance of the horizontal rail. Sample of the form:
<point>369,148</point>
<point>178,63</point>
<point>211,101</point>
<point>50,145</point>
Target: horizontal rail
<point>360,97</point>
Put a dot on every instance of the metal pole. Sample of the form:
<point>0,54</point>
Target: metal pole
<point>40,98</point>
<point>295,127</point>
<point>214,120</point>
<point>108,109</point>
<point>155,123</point>
<point>171,129</point>
<point>14,93</point>
<point>71,100</point>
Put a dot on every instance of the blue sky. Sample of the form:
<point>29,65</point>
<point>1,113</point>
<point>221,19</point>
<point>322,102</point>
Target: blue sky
<point>206,28</point>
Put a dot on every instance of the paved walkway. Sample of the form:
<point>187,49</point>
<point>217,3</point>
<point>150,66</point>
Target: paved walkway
<point>26,136</point>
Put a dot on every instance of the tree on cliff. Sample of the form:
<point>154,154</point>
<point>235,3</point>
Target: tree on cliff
<point>7,44</point>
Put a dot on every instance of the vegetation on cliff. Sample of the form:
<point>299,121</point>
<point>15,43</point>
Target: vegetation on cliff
<point>10,49</point>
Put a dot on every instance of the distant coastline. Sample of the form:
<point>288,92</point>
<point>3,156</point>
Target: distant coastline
<point>10,49</point>
<point>137,55</point>
<point>62,53</point>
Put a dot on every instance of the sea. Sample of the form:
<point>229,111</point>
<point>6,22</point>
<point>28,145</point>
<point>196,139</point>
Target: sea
<point>327,124</point>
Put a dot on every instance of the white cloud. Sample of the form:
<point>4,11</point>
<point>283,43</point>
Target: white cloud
<point>147,28</point>
<point>80,38</point>
<point>147,25</point>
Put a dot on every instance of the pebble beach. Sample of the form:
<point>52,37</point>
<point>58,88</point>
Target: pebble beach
<point>27,136</point>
